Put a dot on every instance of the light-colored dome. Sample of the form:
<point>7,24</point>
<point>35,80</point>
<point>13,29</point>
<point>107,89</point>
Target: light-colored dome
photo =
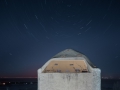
<point>72,53</point>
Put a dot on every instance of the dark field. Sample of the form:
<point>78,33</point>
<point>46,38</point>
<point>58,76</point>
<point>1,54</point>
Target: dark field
<point>18,84</point>
<point>31,84</point>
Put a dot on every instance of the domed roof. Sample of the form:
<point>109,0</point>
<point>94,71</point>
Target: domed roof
<point>68,53</point>
<point>72,53</point>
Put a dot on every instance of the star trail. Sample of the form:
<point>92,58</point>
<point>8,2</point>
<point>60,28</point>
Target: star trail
<point>33,31</point>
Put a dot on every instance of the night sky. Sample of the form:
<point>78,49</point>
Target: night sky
<point>33,31</point>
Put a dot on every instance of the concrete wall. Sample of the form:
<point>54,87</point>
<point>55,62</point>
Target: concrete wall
<point>69,81</point>
<point>97,79</point>
<point>61,59</point>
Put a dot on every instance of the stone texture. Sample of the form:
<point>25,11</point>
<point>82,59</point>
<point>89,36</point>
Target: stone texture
<point>65,81</point>
<point>70,81</point>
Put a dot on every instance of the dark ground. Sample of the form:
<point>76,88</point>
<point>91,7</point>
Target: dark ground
<point>31,84</point>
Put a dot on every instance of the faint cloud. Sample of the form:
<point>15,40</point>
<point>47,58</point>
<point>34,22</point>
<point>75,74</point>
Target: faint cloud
<point>116,56</point>
<point>68,5</point>
<point>10,53</point>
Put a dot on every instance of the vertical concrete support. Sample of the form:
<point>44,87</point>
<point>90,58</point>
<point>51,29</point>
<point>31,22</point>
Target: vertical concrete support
<point>88,79</point>
<point>72,81</point>
<point>96,79</point>
<point>65,81</point>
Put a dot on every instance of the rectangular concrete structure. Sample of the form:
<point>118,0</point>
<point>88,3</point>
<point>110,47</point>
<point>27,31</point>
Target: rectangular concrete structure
<point>88,77</point>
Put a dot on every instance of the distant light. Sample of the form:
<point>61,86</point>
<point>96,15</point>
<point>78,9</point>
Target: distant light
<point>3,83</point>
<point>9,82</point>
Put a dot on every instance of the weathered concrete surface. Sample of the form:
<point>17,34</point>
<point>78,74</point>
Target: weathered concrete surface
<point>59,59</point>
<point>69,81</point>
<point>96,79</point>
